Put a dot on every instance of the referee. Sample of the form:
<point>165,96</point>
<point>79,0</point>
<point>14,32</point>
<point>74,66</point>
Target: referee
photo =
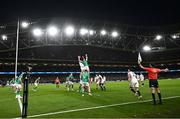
<point>153,83</point>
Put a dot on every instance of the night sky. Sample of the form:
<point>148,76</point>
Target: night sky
<point>134,12</point>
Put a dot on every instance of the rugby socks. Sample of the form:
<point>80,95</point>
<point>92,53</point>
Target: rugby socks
<point>104,87</point>
<point>139,94</point>
<point>18,94</point>
<point>154,100</point>
<point>101,87</point>
<point>133,90</point>
<point>159,95</point>
<point>80,89</point>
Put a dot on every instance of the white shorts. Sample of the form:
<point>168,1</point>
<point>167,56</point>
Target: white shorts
<point>142,79</point>
<point>69,83</point>
<point>36,84</point>
<point>85,68</point>
<point>80,82</point>
<point>134,84</point>
<point>97,82</point>
<point>85,84</point>
<point>12,85</point>
<point>18,86</point>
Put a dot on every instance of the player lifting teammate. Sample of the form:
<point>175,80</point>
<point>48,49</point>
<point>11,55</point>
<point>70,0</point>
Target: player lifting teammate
<point>85,77</point>
<point>18,86</point>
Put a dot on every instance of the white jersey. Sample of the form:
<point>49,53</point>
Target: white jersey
<point>142,77</point>
<point>70,82</point>
<point>133,79</point>
<point>96,79</point>
<point>103,80</point>
<point>132,76</point>
<point>138,77</point>
<point>100,77</point>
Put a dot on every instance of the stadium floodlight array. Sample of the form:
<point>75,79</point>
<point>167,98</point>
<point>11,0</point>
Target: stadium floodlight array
<point>69,30</point>
<point>25,24</point>
<point>37,32</point>
<point>91,32</point>
<point>52,31</point>
<point>103,32</point>
<point>4,37</point>
<point>175,36</point>
<point>114,34</point>
<point>158,37</point>
<point>83,31</point>
<point>146,48</point>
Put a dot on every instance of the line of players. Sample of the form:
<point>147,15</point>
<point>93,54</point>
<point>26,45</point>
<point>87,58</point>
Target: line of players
<point>85,80</point>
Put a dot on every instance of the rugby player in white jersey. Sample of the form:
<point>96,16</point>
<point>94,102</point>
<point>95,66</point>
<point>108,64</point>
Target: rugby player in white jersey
<point>133,83</point>
<point>102,83</point>
<point>36,83</point>
<point>97,79</point>
<point>69,82</point>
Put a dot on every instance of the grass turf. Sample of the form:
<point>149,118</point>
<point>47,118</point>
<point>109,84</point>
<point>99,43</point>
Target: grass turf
<point>48,99</point>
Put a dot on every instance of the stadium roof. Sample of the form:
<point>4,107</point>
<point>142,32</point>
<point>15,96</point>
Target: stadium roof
<point>141,13</point>
<point>135,24</point>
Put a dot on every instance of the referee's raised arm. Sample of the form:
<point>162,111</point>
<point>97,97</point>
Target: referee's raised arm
<point>141,66</point>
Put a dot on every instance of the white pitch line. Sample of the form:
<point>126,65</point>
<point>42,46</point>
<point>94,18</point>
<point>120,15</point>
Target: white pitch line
<point>90,108</point>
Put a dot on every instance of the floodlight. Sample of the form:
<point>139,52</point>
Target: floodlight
<point>24,24</point>
<point>37,32</point>
<point>174,36</point>
<point>83,31</point>
<point>158,37</point>
<point>91,32</point>
<point>146,48</point>
<point>69,30</point>
<point>103,32</point>
<point>4,37</point>
<point>114,34</point>
<point>52,31</point>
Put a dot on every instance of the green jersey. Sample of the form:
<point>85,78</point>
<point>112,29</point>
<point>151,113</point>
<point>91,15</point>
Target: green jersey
<point>85,77</point>
<point>12,81</point>
<point>85,63</point>
<point>18,79</point>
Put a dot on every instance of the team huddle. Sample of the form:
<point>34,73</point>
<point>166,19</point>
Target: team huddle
<point>85,81</point>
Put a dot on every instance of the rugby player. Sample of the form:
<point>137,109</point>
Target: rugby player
<point>133,83</point>
<point>36,83</point>
<point>69,82</point>
<point>57,82</point>
<point>85,77</point>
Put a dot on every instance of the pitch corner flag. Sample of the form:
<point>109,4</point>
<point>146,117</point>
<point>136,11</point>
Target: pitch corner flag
<point>139,58</point>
